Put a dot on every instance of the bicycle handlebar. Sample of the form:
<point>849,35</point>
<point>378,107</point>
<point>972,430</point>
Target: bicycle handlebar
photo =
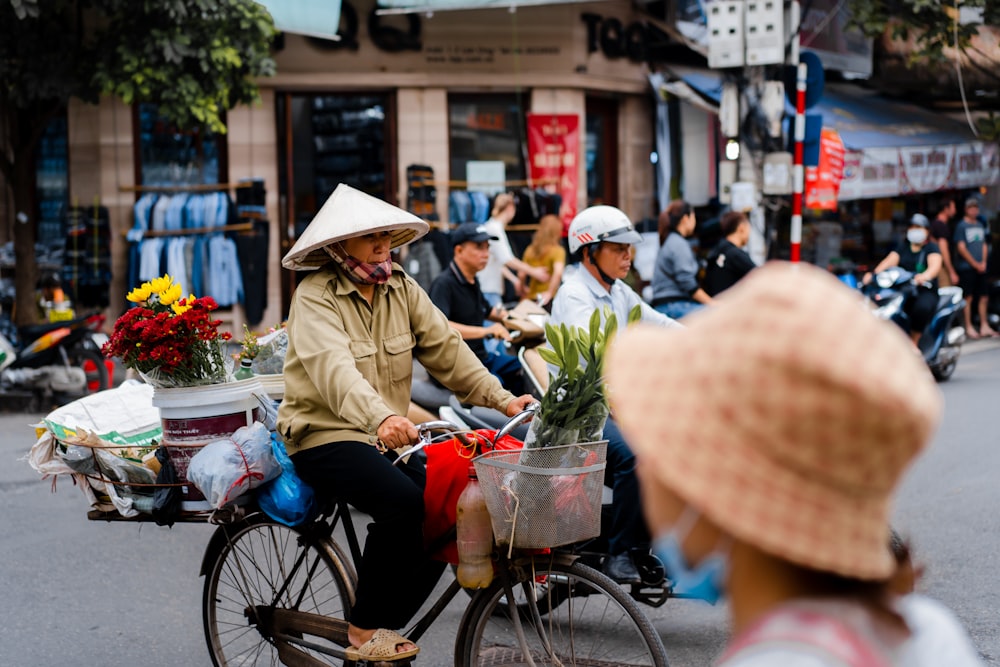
<point>424,430</point>
<point>516,421</point>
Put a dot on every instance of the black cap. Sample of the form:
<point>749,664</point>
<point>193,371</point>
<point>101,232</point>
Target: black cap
<point>471,231</point>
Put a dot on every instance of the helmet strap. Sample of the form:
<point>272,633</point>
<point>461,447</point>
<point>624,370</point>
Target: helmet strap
<point>608,280</point>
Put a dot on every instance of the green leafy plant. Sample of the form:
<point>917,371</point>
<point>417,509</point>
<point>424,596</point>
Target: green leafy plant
<point>574,408</point>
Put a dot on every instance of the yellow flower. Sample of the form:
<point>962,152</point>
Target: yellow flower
<point>180,309</point>
<point>139,294</point>
<point>170,294</point>
<point>161,284</point>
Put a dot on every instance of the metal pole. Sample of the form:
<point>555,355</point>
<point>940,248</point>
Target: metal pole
<point>798,171</point>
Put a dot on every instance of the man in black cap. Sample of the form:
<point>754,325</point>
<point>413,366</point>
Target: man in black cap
<point>457,293</point>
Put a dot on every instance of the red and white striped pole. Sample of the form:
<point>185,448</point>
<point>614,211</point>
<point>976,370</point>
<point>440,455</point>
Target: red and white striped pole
<point>798,171</point>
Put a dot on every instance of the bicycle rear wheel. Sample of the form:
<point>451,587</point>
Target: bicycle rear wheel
<point>263,567</point>
<point>584,619</point>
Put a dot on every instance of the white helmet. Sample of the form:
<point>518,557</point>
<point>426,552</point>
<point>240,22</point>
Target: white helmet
<point>601,223</point>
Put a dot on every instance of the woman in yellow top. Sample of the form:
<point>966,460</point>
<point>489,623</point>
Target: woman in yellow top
<point>545,251</point>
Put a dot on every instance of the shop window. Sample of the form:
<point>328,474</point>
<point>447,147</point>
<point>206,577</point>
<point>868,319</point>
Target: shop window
<point>334,138</point>
<point>486,127</point>
<point>51,179</point>
<point>328,139</point>
<point>602,151</point>
<point>169,156</point>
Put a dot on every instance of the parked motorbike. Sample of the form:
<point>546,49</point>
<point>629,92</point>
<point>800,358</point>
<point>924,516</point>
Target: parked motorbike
<point>53,359</point>
<point>941,342</point>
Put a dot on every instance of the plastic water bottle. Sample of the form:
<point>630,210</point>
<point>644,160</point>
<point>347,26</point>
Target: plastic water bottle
<point>475,536</point>
<point>244,372</point>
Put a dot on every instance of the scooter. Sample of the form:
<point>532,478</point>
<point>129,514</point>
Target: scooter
<point>54,358</point>
<point>941,342</point>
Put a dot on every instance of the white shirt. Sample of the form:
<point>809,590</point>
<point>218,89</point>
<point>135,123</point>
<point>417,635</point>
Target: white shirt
<point>491,278</point>
<point>937,639</point>
<point>580,294</point>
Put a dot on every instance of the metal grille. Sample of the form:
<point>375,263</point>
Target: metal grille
<point>546,496</point>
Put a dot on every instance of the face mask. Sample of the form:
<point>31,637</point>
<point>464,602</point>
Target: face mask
<point>363,273</point>
<point>703,581</point>
<point>916,236</point>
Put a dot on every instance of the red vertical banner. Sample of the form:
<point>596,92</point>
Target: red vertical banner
<point>554,158</point>
<point>823,180</point>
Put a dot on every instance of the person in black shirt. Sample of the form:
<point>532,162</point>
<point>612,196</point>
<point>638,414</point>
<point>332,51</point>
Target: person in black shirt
<point>727,261</point>
<point>456,292</point>
<point>922,257</point>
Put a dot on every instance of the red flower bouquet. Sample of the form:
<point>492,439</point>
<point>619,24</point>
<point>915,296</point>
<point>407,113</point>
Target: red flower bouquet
<point>170,341</point>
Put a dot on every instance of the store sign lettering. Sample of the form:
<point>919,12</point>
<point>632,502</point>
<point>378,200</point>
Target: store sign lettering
<point>613,38</point>
<point>384,34</point>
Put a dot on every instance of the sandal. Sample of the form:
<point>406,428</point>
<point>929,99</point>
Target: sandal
<point>382,646</point>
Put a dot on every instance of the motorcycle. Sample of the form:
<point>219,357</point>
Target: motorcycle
<point>941,342</point>
<point>53,359</point>
<point>526,325</point>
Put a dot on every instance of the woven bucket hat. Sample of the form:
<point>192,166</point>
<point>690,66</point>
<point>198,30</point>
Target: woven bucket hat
<point>786,414</point>
<point>346,214</point>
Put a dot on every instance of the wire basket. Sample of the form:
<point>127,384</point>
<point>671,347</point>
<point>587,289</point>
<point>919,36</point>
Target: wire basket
<point>544,497</point>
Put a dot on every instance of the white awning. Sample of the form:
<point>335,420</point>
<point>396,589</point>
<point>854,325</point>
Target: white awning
<point>315,18</point>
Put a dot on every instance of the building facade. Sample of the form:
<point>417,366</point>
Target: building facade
<point>395,92</point>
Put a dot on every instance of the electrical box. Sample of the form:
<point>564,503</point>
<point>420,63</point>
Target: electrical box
<point>778,172</point>
<point>729,110</point>
<point>727,176</point>
<point>743,196</point>
<point>725,33</point>
<point>772,101</point>
<point>764,23</point>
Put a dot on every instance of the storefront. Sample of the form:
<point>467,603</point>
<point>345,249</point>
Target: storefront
<point>899,159</point>
<point>394,93</point>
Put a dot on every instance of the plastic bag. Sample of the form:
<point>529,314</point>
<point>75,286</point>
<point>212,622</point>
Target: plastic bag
<point>270,359</point>
<point>225,469</point>
<point>167,499</point>
<point>287,499</point>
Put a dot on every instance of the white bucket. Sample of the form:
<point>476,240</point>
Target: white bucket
<point>192,417</point>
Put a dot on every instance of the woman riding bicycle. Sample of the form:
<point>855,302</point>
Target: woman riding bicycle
<point>354,327</point>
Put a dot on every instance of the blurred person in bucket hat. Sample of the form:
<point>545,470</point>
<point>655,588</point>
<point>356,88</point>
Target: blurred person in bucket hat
<point>355,325</point>
<point>769,479</point>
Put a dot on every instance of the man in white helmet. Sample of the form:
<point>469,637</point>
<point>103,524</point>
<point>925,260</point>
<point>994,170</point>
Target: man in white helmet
<point>603,236</point>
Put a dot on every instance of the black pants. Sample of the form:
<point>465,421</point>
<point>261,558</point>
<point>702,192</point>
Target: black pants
<point>395,575</point>
<point>628,528</point>
<point>921,308</point>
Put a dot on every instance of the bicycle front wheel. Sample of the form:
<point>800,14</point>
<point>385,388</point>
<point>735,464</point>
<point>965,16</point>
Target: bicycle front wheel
<point>267,566</point>
<point>583,618</point>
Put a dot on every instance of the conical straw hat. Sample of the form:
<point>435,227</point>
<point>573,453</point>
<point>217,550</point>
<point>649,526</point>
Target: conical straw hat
<point>346,214</point>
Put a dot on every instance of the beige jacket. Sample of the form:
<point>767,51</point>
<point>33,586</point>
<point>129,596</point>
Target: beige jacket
<point>349,364</point>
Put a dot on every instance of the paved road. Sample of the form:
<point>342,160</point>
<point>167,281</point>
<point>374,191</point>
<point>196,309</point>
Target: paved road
<point>87,593</point>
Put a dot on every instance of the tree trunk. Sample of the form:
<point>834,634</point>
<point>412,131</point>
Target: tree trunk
<point>25,235</point>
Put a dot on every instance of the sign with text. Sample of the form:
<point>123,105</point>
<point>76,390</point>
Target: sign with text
<point>823,180</point>
<point>890,172</point>
<point>554,158</point>
<point>485,176</point>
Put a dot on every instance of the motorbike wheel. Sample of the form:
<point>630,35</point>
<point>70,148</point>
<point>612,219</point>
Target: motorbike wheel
<point>93,366</point>
<point>942,373</point>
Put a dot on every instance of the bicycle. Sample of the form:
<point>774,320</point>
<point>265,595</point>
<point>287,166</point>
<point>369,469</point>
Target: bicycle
<point>276,593</point>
